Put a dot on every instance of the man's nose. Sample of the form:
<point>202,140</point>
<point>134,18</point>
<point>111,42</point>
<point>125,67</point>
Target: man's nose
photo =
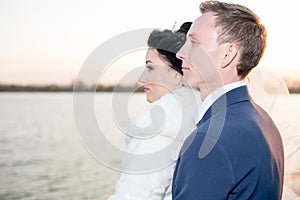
<point>181,53</point>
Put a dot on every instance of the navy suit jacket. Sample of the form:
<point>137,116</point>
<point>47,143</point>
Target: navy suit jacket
<point>236,152</point>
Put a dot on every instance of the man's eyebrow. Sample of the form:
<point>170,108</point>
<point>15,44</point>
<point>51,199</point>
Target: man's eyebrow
<point>194,36</point>
<point>191,35</point>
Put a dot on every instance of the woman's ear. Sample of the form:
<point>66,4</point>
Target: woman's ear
<point>231,52</point>
<point>173,72</point>
<point>178,79</point>
<point>177,76</point>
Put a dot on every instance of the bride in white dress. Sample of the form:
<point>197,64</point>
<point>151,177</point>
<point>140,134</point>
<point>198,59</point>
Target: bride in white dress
<point>155,136</point>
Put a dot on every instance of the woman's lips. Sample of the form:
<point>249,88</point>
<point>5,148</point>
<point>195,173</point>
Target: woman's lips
<point>146,89</point>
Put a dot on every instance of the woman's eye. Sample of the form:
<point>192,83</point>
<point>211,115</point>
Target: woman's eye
<point>149,68</point>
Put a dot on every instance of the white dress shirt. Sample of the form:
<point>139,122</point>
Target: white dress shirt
<point>212,97</point>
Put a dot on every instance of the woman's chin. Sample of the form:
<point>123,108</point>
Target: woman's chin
<point>149,99</point>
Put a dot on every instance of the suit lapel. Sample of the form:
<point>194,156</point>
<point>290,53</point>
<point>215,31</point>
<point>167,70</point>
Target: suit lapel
<point>222,103</point>
<point>216,118</point>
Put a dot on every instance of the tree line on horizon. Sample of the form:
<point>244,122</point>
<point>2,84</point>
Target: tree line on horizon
<point>81,87</point>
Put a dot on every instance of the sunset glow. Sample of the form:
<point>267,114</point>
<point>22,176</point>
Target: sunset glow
<point>48,41</point>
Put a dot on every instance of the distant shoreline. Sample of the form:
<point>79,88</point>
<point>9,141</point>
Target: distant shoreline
<point>294,90</point>
<point>58,88</point>
<point>83,88</point>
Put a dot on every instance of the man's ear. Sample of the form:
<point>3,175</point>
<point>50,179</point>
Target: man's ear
<point>231,52</point>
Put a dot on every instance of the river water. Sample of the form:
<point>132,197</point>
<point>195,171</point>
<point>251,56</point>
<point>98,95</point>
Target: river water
<point>42,155</point>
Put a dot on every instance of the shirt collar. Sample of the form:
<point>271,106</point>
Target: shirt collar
<point>212,97</point>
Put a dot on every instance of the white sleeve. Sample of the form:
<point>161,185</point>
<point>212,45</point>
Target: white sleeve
<point>153,185</point>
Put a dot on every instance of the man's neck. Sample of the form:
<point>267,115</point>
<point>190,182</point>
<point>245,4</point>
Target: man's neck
<point>209,89</point>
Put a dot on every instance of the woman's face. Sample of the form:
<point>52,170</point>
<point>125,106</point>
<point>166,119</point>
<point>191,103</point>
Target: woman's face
<point>158,78</point>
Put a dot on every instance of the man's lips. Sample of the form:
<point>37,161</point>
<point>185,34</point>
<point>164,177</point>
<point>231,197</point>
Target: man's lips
<point>185,68</point>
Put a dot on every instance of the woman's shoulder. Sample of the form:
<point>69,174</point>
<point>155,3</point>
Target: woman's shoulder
<point>181,96</point>
<point>170,112</point>
<point>181,92</point>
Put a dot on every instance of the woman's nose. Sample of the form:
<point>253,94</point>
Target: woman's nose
<point>142,78</point>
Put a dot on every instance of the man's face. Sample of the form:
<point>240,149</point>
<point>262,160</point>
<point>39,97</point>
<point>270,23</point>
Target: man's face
<point>201,54</point>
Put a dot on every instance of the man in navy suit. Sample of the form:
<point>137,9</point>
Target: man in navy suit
<point>236,152</point>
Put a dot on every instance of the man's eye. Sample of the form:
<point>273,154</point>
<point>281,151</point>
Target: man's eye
<point>193,42</point>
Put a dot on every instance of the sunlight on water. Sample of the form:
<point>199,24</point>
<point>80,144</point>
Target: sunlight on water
<point>41,156</point>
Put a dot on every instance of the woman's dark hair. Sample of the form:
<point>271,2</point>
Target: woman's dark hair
<point>185,27</point>
<point>168,43</point>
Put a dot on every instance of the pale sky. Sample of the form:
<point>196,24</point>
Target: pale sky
<point>47,41</point>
